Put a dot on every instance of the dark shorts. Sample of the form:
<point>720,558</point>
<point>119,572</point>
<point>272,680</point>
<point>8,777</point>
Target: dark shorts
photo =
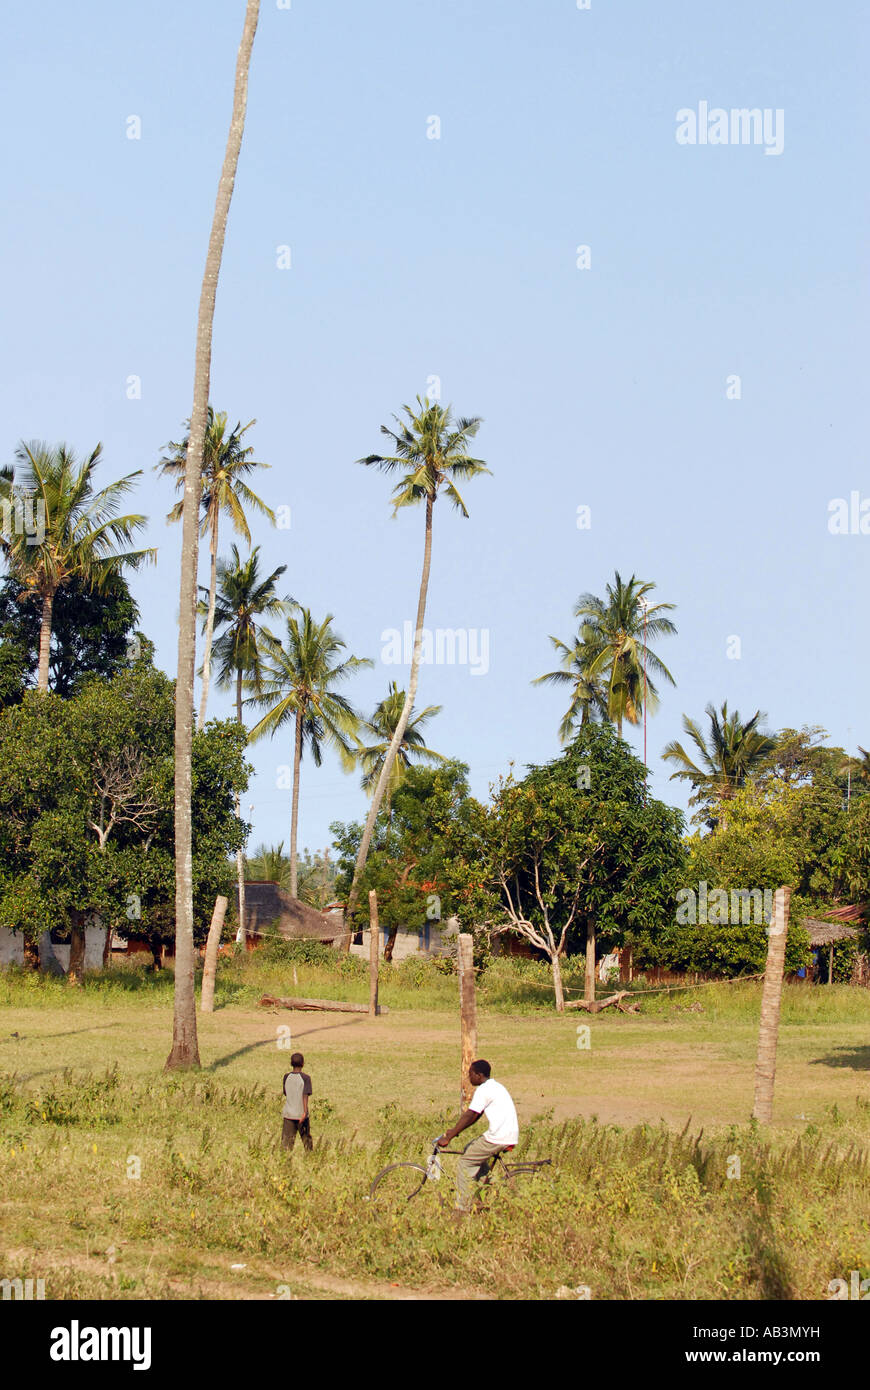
<point>294,1127</point>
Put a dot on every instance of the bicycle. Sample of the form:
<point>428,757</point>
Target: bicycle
<point>399,1183</point>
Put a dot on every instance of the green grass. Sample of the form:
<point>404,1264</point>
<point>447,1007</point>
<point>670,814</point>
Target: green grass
<point>638,1204</point>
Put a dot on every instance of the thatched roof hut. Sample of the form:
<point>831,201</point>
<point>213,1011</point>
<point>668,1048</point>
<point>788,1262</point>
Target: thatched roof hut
<point>270,911</point>
<point>826,933</point>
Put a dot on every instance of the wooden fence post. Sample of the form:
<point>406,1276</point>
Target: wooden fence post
<point>206,999</point>
<point>467,1015</point>
<point>771,997</point>
<point>374,945</point>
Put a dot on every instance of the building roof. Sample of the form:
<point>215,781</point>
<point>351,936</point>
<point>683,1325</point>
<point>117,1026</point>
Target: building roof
<point>269,908</point>
<point>824,933</point>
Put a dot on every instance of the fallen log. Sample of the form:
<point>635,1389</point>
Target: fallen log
<point>595,1007</point>
<point>329,1005</point>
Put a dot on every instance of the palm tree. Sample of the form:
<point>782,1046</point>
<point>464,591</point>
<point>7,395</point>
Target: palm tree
<point>75,533</point>
<point>225,461</point>
<point>381,728</point>
<point>185,1049</point>
<point>270,865</point>
<point>733,752</point>
<point>588,694</point>
<point>241,597</point>
<point>616,633</point>
<point>431,452</point>
<point>297,683</point>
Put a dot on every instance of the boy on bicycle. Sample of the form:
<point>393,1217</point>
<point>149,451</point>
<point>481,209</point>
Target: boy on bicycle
<point>492,1099</point>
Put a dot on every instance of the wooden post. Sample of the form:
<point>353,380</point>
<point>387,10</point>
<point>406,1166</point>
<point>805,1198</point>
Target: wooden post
<point>831,964</point>
<point>206,998</point>
<point>374,944</point>
<point>771,996</point>
<point>467,1015</point>
<point>589,980</point>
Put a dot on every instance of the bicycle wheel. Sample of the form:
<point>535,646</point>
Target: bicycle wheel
<point>395,1186</point>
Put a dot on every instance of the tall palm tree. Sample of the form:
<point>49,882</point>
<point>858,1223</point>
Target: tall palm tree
<point>381,728</point>
<point>76,531</point>
<point>431,453</point>
<point>588,693</point>
<point>732,753</point>
<point>241,598</point>
<point>617,632</point>
<point>185,1049</point>
<point>226,459</point>
<point>297,685</point>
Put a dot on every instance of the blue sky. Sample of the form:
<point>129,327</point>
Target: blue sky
<point>415,257</point>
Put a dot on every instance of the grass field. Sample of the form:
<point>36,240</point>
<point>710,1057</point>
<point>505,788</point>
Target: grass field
<point>644,1128</point>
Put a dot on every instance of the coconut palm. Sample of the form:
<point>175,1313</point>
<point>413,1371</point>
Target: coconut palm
<point>588,693</point>
<point>226,459</point>
<point>731,753</point>
<point>431,454</point>
<point>616,633</point>
<point>185,1049</point>
<point>68,532</point>
<point>296,684</point>
<point>241,598</point>
<point>381,728</point>
<point>270,865</point>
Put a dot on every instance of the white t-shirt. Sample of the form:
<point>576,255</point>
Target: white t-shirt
<point>493,1100</point>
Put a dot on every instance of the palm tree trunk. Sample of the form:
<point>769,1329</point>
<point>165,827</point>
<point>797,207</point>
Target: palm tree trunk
<point>185,1049</point>
<point>44,644</point>
<point>398,734</point>
<point>241,934</point>
<point>765,1066</point>
<point>294,814</point>
<point>209,622</point>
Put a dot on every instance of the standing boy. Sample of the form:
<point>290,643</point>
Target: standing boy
<point>297,1089</point>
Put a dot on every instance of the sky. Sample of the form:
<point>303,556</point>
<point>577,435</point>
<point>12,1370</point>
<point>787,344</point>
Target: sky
<point>696,378</point>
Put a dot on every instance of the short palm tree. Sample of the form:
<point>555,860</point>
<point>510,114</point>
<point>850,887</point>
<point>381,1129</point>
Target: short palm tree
<point>270,865</point>
<point>381,728</point>
<point>77,531</point>
<point>588,693</point>
<point>297,683</point>
<point>616,633</point>
<point>242,598</point>
<point>731,753</point>
<point>225,462</point>
<point>431,453</point>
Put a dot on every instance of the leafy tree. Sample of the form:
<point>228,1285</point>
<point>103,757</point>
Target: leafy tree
<point>577,849</point>
<point>86,791</point>
<point>78,534</point>
<point>298,685</point>
<point>93,634</point>
<point>431,455</point>
<point>615,639</point>
<point>425,862</point>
